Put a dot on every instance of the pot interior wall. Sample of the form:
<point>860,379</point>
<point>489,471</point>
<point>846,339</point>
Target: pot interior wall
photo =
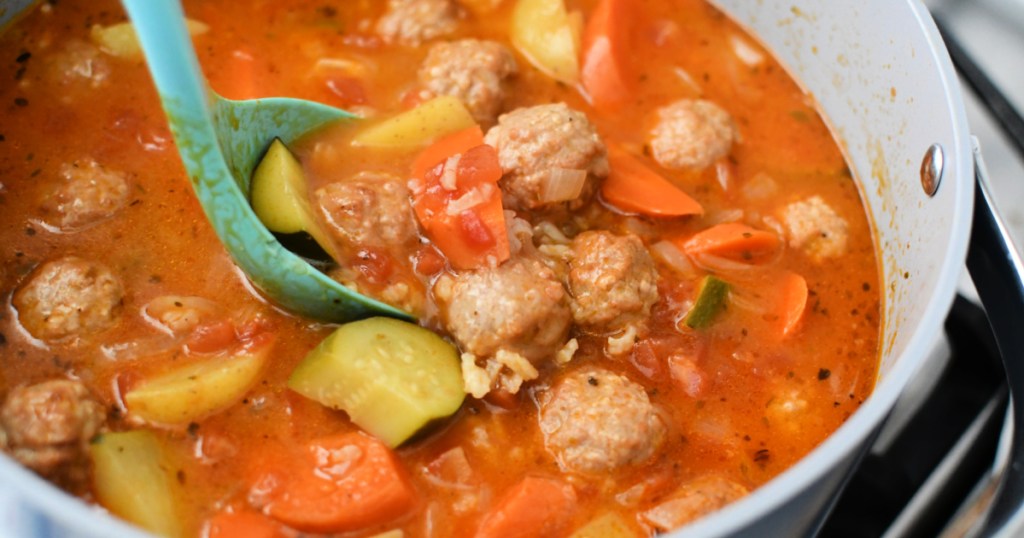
<point>883,80</point>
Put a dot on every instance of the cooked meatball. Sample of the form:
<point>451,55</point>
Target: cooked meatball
<point>543,144</point>
<point>88,194</point>
<point>518,306</point>
<point>692,134</point>
<point>612,280</point>
<point>79,62</point>
<point>49,424</point>
<point>812,225</point>
<point>471,70</point>
<point>369,209</point>
<point>692,500</point>
<point>411,22</point>
<point>596,421</point>
<point>68,297</point>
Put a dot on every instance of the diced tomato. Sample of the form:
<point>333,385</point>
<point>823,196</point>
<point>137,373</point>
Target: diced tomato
<point>478,165</point>
<point>471,236</point>
<point>212,337</point>
<point>475,231</point>
<point>376,265</point>
<point>428,261</point>
<point>348,90</point>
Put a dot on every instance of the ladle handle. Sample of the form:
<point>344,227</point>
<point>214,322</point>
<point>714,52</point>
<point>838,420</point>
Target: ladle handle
<point>160,26</point>
<point>998,274</point>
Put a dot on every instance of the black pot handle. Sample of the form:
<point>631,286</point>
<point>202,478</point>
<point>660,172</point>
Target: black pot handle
<point>998,274</point>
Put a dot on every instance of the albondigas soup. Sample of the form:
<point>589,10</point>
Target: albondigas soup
<point>643,277</point>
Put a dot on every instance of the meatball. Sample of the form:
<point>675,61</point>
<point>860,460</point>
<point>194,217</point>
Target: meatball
<point>694,499</point>
<point>89,193</point>
<point>411,22</point>
<point>812,225</point>
<point>596,421</point>
<point>542,145</point>
<point>68,297</point>
<point>78,63</point>
<point>612,280</point>
<point>49,424</point>
<point>471,70</point>
<point>692,134</point>
<point>369,209</point>
<point>518,307</point>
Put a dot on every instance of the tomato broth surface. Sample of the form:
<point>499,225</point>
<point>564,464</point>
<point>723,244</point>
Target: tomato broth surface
<point>94,196</point>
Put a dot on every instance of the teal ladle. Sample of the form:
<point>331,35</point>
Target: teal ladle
<point>220,141</point>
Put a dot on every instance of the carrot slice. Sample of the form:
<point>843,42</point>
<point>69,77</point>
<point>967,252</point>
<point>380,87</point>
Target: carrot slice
<point>793,301</point>
<point>734,241</point>
<point>471,236</point>
<point>605,71</point>
<point>242,525</point>
<point>342,483</point>
<point>533,507</point>
<point>439,151</point>
<point>631,186</point>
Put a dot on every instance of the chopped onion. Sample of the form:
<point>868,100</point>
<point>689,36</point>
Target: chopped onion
<point>561,185</point>
<point>759,187</point>
<point>719,265</point>
<point>449,175</point>
<point>670,255</point>
<point>687,79</point>
<point>724,175</point>
<point>747,53</point>
<point>353,68</point>
<point>471,199</point>
<point>178,314</point>
<point>724,216</point>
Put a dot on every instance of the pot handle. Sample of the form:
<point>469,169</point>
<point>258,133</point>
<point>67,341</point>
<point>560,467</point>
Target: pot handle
<point>998,274</point>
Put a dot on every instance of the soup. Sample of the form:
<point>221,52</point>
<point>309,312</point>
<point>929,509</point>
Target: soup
<point>643,277</point>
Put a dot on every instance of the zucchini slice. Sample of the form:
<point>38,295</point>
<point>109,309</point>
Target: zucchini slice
<point>279,196</point>
<point>710,301</point>
<point>390,376</point>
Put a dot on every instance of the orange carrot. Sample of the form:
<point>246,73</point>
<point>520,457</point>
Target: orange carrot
<point>733,241</point>
<point>604,68</point>
<point>342,483</point>
<point>439,151</point>
<point>242,525</point>
<point>533,507</point>
<point>631,186</point>
<point>471,235</point>
<point>793,301</point>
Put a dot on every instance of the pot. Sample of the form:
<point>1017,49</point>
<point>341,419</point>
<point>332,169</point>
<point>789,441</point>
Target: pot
<point>883,79</point>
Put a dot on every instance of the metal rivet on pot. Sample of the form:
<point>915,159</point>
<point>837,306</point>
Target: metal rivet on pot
<point>931,169</point>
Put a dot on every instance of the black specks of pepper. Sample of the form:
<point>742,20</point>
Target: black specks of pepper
<point>21,101</point>
<point>824,373</point>
<point>761,457</point>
